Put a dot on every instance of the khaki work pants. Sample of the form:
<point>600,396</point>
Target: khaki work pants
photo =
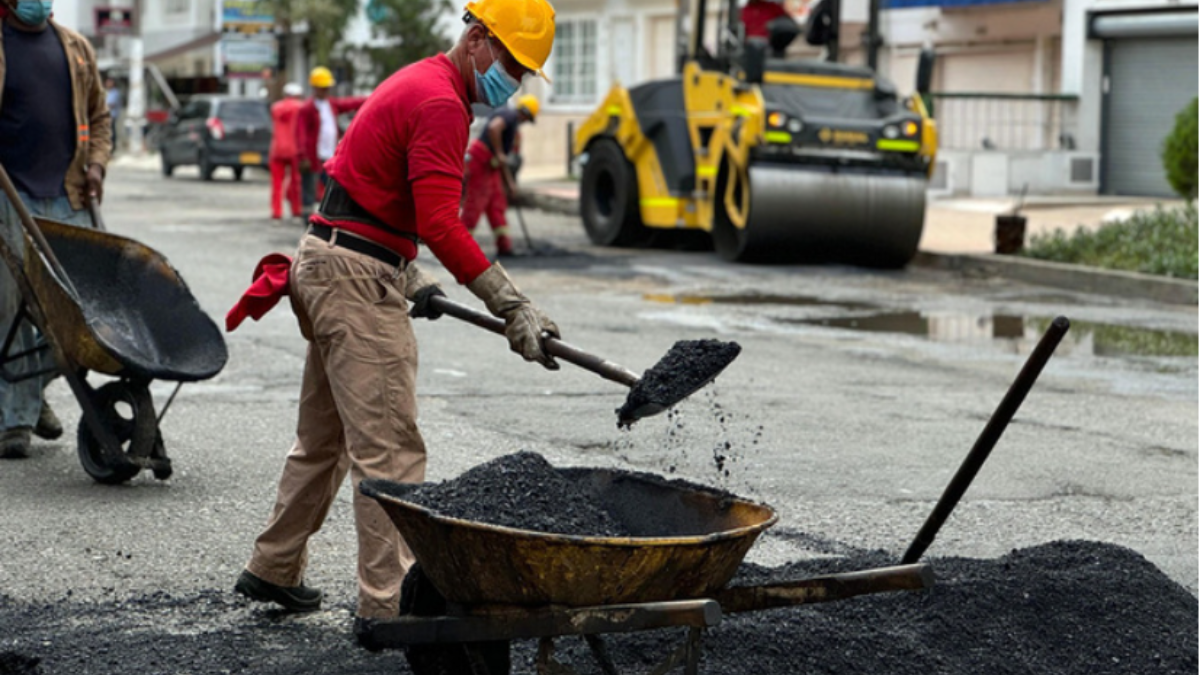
<point>358,412</point>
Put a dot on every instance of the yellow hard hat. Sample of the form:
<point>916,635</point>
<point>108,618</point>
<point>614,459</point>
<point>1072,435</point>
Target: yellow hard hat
<point>524,27</point>
<point>321,77</point>
<point>529,104</point>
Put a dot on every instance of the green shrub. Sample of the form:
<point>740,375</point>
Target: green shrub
<point>1162,241</point>
<point>1179,153</point>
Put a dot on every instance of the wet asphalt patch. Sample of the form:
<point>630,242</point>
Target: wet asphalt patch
<point>1067,608</point>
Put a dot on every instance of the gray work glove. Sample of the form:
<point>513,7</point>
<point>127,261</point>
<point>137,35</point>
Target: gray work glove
<point>526,324</point>
<point>419,287</point>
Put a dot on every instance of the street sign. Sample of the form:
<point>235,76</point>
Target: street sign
<point>245,56</point>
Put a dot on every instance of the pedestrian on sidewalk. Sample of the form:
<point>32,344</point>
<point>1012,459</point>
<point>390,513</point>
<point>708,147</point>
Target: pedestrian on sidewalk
<point>394,180</point>
<point>318,131</point>
<point>112,98</point>
<point>55,142</point>
<point>284,158</point>
<point>489,172</point>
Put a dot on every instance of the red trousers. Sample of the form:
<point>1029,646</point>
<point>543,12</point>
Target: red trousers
<point>282,169</point>
<point>484,193</point>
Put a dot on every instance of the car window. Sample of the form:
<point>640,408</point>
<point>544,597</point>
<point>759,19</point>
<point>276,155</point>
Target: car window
<point>245,112</point>
<point>194,109</point>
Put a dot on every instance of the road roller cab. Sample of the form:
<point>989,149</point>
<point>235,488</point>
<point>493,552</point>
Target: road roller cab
<point>764,158</point>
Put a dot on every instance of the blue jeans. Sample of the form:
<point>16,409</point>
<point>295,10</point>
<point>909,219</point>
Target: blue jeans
<point>21,402</point>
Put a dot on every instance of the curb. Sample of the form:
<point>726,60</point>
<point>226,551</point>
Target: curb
<point>1039,272</point>
<point>1066,276</point>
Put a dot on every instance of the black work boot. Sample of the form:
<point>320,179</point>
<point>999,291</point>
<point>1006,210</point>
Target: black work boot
<point>14,443</point>
<point>292,598</point>
<point>48,426</point>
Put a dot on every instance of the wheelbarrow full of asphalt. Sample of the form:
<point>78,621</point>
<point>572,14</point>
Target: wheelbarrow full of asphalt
<point>108,305</point>
<point>476,587</point>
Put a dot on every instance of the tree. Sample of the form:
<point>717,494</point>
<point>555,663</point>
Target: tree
<point>411,28</point>
<point>1179,153</point>
<point>326,21</point>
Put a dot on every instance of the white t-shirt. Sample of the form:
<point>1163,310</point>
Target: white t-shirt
<point>327,137</point>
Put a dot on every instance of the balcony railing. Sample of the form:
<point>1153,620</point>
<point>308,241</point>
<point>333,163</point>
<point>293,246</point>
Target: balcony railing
<point>994,121</point>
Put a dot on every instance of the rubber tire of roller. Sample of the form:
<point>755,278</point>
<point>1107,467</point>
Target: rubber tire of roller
<point>418,597</point>
<point>136,434</point>
<point>609,197</point>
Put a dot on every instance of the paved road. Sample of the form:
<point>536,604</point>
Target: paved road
<point>855,398</point>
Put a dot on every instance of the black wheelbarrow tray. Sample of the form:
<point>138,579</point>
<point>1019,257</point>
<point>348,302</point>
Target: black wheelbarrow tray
<point>476,586</point>
<point>108,304</point>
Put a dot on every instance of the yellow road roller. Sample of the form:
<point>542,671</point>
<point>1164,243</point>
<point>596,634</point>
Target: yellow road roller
<point>765,158</point>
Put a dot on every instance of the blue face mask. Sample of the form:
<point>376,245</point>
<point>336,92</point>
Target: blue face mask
<point>495,86</point>
<point>33,12</point>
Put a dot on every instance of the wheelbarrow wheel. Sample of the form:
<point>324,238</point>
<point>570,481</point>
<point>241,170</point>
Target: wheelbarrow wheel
<point>418,597</point>
<point>127,410</point>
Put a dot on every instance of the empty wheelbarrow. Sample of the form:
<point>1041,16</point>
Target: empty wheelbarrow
<point>108,304</point>
<point>476,587</point>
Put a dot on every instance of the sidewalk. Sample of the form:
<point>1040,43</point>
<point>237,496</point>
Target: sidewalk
<point>959,234</point>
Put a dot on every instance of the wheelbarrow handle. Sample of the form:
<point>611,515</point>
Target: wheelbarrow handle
<point>35,232</point>
<point>554,346</point>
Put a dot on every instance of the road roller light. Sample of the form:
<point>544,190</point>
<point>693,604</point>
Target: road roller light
<point>795,126</point>
<point>891,131</point>
<point>776,120</point>
<point>911,128</point>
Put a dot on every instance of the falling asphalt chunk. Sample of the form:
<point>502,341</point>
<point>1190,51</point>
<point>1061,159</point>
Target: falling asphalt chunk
<point>688,366</point>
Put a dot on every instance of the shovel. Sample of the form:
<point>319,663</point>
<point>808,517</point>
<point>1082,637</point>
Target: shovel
<point>682,372</point>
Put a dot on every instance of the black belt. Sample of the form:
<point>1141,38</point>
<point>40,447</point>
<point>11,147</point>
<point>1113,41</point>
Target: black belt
<point>347,239</point>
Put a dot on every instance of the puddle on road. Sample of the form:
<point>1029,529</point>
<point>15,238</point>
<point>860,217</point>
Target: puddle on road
<point>753,299</point>
<point>1017,332</point>
<point>1100,339</point>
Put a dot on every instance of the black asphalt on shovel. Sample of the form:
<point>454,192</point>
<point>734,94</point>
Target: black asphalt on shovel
<point>687,367</point>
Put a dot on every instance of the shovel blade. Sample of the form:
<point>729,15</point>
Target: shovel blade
<point>687,368</point>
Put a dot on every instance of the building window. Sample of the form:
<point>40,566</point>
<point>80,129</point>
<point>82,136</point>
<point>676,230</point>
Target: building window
<point>574,69</point>
<point>179,6</point>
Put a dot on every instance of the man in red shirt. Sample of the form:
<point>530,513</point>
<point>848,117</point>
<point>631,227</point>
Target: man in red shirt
<point>758,13</point>
<point>318,131</point>
<point>395,178</point>
<point>284,158</point>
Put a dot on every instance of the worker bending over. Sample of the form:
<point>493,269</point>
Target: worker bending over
<point>489,174</point>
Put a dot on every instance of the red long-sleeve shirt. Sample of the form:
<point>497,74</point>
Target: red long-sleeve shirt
<point>402,161</point>
<point>308,124</point>
<point>283,138</point>
<point>757,14</point>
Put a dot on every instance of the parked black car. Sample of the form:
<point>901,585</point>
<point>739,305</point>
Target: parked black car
<point>216,130</point>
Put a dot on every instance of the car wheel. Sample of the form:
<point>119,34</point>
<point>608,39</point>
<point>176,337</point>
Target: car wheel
<point>206,167</point>
<point>237,172</point>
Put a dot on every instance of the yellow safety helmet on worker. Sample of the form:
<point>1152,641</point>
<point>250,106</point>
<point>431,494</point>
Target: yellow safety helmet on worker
<point>524,27</point>
<point>321,78</point>
<point>529,105</point>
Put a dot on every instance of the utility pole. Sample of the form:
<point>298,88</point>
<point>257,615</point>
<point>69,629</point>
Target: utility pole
<point>137,86</point>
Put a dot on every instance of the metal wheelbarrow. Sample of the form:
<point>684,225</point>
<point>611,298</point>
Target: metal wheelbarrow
<point>476,587</point>
<point>111,305</point>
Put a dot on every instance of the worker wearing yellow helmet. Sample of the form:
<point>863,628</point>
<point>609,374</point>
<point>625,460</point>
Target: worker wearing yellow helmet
<point>395,179</point>
<point>318,132</point>
<point>492,163</point>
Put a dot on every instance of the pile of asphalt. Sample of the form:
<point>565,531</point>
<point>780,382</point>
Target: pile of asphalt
<point>687,366</point>
<point>520,490</point>
<point>1066,607</point>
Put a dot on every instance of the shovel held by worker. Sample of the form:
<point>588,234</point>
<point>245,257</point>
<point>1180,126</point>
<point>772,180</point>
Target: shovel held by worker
<point>682,372</point>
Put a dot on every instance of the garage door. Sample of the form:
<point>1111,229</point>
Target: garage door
<point>1150,80</point>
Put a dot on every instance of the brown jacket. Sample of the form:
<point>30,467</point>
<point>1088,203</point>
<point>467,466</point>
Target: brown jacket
<point>94,143</point>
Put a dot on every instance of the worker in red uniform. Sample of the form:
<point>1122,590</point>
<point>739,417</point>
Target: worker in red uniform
<point>758,13</point>
<point>284,157</point>
<point>395,178</point>
<point>318,131</point>
<point>489,178</point>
